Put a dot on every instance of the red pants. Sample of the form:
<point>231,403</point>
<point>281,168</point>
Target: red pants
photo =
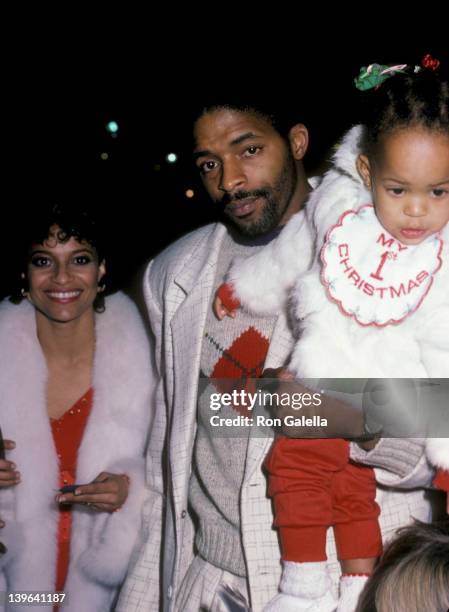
<point>314,485</point>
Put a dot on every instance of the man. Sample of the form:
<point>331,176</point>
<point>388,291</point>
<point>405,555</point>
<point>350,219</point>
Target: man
<point>207,493</point>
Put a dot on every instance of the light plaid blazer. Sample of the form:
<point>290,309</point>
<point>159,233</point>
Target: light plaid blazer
<point>178,286</point>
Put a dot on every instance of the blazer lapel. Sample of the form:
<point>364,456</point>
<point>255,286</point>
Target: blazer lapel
<point>196,281</point>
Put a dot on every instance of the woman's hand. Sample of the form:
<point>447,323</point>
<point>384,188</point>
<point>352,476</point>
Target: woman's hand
<point>8,474</point>
<point>107,493</point>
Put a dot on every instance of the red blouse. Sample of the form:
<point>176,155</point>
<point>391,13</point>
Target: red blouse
<point>67,434</point>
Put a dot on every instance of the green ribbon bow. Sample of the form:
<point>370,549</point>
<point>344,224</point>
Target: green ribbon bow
<point>375,74</point>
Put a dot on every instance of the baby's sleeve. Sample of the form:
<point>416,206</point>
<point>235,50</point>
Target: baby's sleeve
<point>437,452</point>
<point>441,480</point>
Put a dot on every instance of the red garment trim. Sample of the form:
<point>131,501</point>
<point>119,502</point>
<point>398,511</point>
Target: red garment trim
<point>67,434</point>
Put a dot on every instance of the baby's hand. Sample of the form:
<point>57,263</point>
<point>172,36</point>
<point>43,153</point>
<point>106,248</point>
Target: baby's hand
<point>220,310</point>
<point>225,304</point>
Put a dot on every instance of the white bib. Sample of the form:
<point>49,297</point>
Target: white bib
<point>370,275</point>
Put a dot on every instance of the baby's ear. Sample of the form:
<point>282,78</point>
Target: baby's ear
<point>364,169</point>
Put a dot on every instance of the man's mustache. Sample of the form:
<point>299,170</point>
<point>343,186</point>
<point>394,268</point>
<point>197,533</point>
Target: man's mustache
<point>229,198</point>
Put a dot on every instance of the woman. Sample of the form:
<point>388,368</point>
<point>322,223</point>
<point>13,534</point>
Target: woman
<point>75,407</point>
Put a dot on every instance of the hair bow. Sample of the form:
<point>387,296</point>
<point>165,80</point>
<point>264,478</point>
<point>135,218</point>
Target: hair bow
<point>375,74</point>
<point>430,62</point>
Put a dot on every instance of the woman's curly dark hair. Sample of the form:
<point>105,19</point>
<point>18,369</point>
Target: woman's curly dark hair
<point>72,221</point>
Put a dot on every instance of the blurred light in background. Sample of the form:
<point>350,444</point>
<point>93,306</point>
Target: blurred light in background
<point>112,127</point>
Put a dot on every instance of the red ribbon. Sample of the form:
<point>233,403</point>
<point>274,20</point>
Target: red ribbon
<point>430,62</point>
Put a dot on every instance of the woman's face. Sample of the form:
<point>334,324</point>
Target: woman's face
<point>63,278</point>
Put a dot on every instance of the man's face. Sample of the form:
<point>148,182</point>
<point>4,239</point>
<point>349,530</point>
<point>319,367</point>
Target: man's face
<point>246,167</point>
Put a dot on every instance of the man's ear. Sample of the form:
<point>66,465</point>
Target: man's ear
<point>299,140</point>
<point>364,169</point>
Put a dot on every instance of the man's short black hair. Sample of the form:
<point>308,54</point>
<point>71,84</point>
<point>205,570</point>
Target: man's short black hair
<point>281,115</point>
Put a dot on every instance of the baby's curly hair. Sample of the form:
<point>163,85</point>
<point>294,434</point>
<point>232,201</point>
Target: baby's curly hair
<point>409,99</point>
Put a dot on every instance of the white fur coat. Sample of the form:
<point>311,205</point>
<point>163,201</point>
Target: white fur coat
<point>114,440</point>
<point>333,345</point>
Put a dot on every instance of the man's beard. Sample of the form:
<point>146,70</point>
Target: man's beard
<point>276,201</point>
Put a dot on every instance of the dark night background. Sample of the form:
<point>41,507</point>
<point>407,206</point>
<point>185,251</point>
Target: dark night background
<point>61,93</point>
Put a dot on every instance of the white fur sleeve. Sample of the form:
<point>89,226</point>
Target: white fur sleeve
<point>434,343</point>
<point>437,450</point>
<point>433,338</point>
<point>262,282</point>
<point>141,587</point>
<point>115,535</point>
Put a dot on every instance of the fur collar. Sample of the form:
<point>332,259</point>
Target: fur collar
<point>347,153</point>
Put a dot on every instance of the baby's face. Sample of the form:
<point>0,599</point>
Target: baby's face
<point>410,183</point>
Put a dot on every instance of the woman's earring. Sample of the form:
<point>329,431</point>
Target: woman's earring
<point>24,292</point>
<point>101,288</point>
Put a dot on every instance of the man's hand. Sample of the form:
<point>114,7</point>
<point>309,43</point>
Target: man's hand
<point>343,420</point>
<point>369,444</point>
<point>278,373</point>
